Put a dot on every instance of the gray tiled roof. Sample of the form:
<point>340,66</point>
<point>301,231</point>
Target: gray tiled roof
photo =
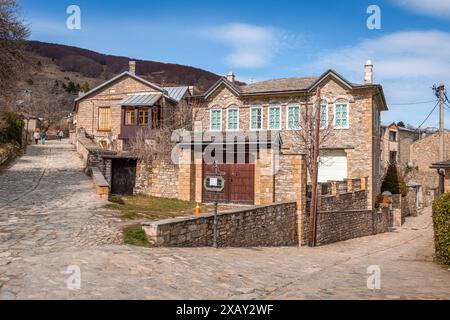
<point>282,84</point>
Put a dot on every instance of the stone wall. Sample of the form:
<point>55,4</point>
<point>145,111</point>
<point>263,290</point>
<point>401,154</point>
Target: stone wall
<point>346,201</point>
<point>335,226</point>
<point>159,179</point>
<point>268,225</point>
<point>423,154</point>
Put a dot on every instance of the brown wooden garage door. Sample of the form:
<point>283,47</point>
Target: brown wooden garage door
<point>239,183</point>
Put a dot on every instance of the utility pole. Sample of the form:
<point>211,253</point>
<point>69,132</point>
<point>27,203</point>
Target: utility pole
<point>440,93</point>
<point>314,178</point>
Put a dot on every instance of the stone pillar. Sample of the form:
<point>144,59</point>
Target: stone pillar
<point>264,178</point>
<point>290,185</point>
<point>185,174</point>
<point>349,185</point>
<point>198,164</point>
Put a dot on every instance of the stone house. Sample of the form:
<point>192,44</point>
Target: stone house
<point>113,113</point>
<point>272,110</point>
<point>424,153</point>
<point>395,145</point>
<point>443,172</point>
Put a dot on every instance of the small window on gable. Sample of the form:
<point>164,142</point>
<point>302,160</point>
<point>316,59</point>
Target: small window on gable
<point>393,136</point>
<point>233,119</point>
<point>341,115</point>
<point>216,120</point>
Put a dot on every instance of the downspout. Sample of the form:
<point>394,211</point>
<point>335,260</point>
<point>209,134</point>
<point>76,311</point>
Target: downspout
<point>441,181</point>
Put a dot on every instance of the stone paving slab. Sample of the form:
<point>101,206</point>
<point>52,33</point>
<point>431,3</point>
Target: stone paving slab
<point>60,224</point>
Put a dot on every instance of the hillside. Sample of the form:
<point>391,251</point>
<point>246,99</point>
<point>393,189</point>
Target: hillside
<point>56,74</point>
<point>96,67</point>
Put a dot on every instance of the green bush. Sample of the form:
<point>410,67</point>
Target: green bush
<point>441,222</point>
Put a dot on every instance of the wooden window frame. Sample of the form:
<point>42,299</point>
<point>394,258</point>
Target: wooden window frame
<point>101,122</point>
<point>146,113</point>
<point>133,113</point>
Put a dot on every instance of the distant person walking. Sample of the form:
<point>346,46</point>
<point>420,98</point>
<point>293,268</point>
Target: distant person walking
<point>60,135</point>
<point>43,136</point>
<point>36,136</point>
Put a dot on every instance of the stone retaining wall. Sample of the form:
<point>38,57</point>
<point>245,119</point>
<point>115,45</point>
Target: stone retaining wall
<point>334,226</point>
<point>268,225</point>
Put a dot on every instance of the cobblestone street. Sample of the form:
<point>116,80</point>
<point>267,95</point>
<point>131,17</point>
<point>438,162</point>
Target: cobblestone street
<point>50,219</point>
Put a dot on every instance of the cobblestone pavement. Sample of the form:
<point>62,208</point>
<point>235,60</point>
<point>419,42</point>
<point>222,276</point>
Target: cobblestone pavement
<point>50,220</point>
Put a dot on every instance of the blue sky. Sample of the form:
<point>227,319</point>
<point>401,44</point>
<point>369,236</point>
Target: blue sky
<point>266,39</point>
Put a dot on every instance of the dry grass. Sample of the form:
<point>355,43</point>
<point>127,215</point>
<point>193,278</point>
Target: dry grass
<point>152,208</point>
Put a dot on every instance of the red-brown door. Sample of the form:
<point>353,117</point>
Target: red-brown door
<point>242,183</point>
<point>239,184</point>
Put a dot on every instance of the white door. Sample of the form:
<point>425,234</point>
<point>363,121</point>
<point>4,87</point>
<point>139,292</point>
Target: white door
<point>333,166</point>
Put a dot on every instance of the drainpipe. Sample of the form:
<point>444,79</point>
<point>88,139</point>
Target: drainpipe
<point>441,181</point>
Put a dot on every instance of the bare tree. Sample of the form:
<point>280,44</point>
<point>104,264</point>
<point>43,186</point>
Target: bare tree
<point>306,136</point>
<point>314,131</point>
<point>51,106</point>
<point>13,58</point>
<point>156,143</point>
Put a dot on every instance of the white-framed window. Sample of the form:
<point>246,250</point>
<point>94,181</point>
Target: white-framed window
<point>256,118</point>
<point>216,120</point>
<point>293,118</point>
<point>323,115</point>
<point>341,115</point>
<point>233,119</point>
<point>274,119</point>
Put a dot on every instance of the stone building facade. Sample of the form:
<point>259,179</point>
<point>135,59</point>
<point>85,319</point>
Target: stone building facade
<point>115,111</point>
<point>355,139</point>
<point>113,114</point>
<point>424,153</point>
<point>395,145</point>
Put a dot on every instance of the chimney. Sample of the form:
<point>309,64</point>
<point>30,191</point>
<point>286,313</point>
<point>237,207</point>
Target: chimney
<point>231,77</point>
<point>368,72</point>
<point>132,67</point>
<point>191,90</point>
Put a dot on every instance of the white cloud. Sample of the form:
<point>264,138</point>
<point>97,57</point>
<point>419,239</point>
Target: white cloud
<point>251,46</point>
<point>434,8</point>
<point>407,64</point>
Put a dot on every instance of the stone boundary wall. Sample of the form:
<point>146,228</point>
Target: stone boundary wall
<point>335,226</point>
<point>267,225</point>
<point>346,201</point>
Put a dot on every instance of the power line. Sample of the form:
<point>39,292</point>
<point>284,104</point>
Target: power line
<point>429,115</point>
<point>412,103</point>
